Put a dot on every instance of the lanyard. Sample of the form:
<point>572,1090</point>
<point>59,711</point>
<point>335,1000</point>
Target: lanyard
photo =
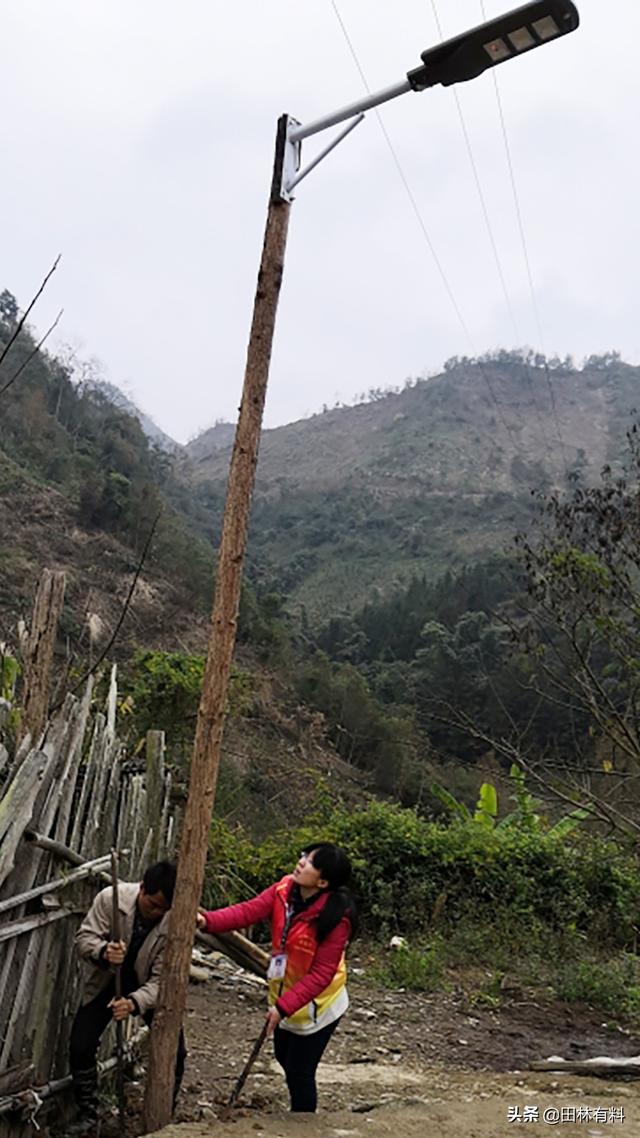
<point>287,925</point>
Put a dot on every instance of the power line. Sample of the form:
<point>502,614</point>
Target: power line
<point>525,251</point>
<point>479,189</point>
<point>489,228</point>
<point>423,226</point>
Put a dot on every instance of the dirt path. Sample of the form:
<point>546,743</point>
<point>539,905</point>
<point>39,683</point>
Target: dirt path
<point>404,1064</point>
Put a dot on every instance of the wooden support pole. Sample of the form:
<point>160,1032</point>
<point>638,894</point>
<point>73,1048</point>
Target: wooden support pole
<point>116,934</point>
<point>211,712</point>
<point>47,611</point>
<point>239,949</point>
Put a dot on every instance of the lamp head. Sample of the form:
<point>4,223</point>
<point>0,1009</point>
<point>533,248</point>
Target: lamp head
<point>468,55</point>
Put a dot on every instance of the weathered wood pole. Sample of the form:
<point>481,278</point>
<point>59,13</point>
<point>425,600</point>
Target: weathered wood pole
<point>212,709</point>
<point>155,786</point>
<point>47,611</point>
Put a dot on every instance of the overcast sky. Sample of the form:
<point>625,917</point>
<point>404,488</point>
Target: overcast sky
<point>137,140</point>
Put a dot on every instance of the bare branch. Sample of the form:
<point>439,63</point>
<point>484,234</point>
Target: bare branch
<point>20,325</point>
<point>31,355</point>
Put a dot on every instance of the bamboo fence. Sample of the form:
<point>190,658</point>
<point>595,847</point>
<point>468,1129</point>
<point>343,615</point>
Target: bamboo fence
<point>68,795</point>
<point>64,802</point>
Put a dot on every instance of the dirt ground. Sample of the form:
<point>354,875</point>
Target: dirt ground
<point>406,1064</point>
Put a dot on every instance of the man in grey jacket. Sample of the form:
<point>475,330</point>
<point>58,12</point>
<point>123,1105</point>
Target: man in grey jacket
<point>144,920</point>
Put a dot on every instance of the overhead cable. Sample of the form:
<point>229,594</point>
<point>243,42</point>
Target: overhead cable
<point>525,251</point>
<point>490,233</point>
<point>423,228</point>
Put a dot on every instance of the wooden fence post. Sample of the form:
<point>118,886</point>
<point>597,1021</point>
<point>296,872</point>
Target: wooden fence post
<point>155,786</point>
<point>42,639</point>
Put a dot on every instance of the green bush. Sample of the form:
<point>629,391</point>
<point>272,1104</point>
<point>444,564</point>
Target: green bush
<point>518,886</point>
<point>164,693</point>
<point>418,969</point>
<point>613,986</point>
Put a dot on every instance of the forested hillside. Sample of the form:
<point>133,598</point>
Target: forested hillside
<point>384,588</point>
<point>357,499</point>
<point>81,489</point>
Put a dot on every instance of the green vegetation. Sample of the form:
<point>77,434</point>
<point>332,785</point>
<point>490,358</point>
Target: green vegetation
<point>414,969</point>
<point>62,430</point>
<point>525,816</point>
<point>362,731</point>
<point>164,692</point>
<point>613,986</point>
<point>465,896</point>
<point>411,872</point>
<point>9,672</point>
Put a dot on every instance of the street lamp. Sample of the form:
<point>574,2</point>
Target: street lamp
<point>454,61</point>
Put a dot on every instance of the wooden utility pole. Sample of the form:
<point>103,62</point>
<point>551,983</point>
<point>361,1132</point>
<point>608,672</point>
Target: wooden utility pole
<point>212,710</point>
<point>47,611</point>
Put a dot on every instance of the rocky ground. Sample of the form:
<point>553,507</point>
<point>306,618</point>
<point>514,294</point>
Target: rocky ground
<point>406,1064</point>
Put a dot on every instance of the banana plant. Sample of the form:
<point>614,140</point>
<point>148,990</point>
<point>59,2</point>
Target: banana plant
<point>487,806</point>
<point>526,816</point>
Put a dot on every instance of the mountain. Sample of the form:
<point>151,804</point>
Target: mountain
<point>357,499</point>
<point>151,429</point>
<point>218,437</point>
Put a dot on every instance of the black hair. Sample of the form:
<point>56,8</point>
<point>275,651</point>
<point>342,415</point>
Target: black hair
<point>160,878</point>
<point>334,865</point>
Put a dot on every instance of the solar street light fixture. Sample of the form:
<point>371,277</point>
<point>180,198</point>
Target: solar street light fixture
<point>466,56</point>
<point>455,61</point>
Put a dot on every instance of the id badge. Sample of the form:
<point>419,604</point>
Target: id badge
<point>277,966</point>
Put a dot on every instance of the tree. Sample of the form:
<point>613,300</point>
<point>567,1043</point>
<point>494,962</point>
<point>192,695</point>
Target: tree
<point>576,638</point>
<point>8,307</point>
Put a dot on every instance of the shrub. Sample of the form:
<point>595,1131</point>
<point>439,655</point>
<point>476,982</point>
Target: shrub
<point>164,693</point>
<point>613,986</point>
<point>419,969</point>
<point>516,885</point>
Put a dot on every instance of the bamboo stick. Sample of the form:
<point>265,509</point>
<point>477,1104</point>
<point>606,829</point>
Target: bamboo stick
<point>79,822</point>
<point>92,827</point>
<point>70,776</point>
<point>34,921</point>
<point>78,874</point>
<point>164,830</point>
<point>155,787</point>
<point>17,804</point>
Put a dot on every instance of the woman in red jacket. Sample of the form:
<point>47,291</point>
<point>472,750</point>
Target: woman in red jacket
<point>312,919</point>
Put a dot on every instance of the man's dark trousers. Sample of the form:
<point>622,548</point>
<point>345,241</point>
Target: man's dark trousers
<point>91,1022</point>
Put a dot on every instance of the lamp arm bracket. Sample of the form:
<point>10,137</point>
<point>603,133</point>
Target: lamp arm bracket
<point>295,175</point>
<point>287,173</point>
